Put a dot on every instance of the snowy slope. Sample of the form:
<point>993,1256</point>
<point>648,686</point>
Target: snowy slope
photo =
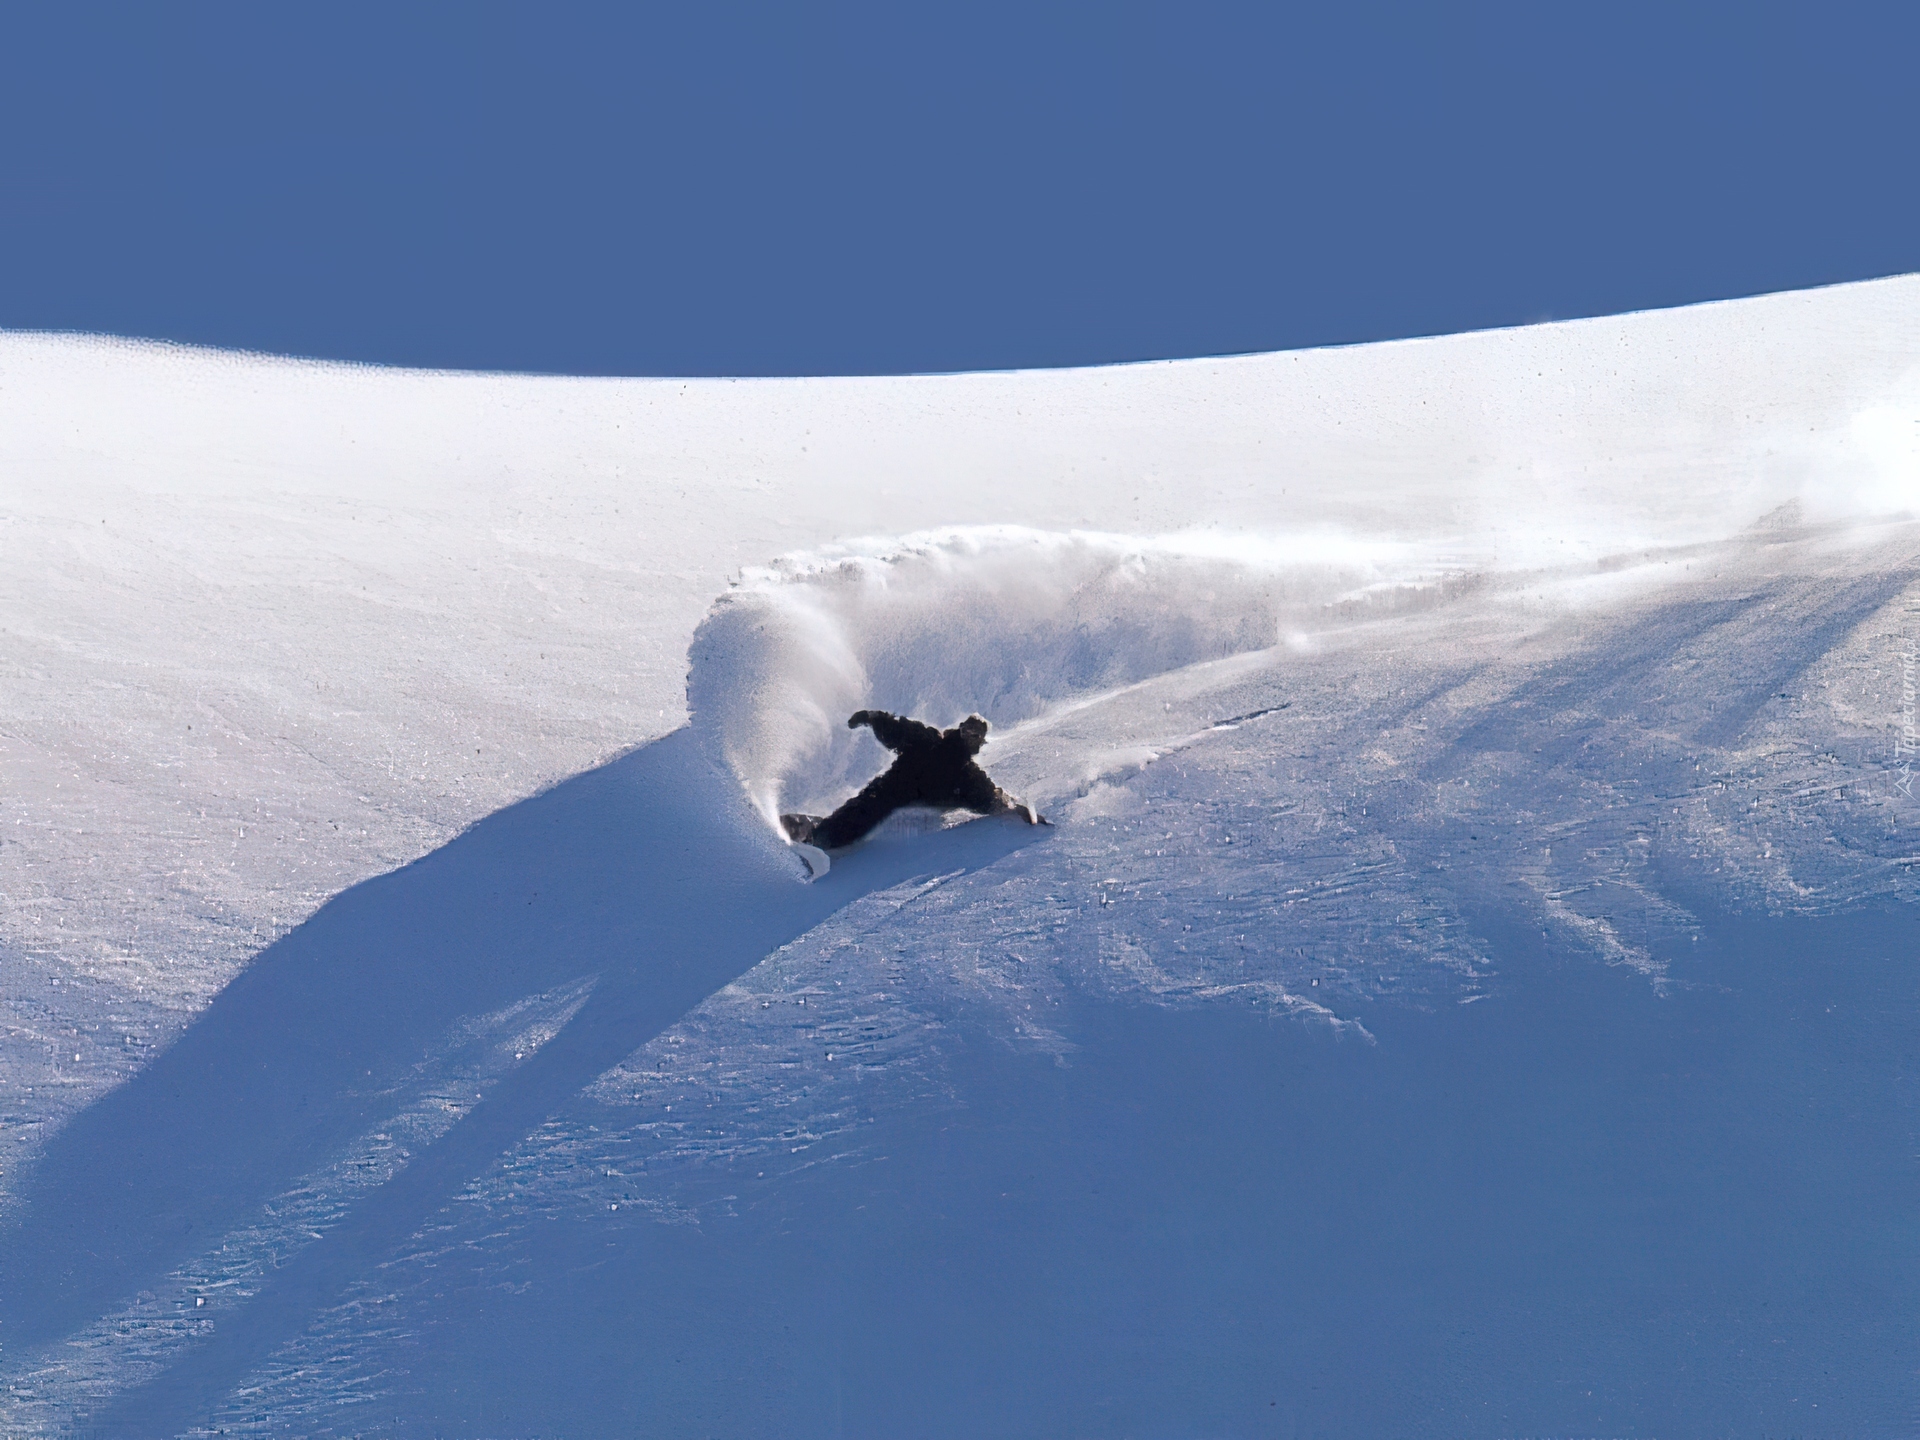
<point>1466,992</point>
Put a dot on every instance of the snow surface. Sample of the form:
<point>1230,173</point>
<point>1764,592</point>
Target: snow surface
<point>1467,991</point>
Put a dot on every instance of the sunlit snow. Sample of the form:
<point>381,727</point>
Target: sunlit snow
<point>1467,989</point>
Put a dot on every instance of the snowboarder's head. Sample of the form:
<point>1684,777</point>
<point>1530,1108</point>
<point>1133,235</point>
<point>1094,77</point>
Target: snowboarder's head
<point>974,727</point>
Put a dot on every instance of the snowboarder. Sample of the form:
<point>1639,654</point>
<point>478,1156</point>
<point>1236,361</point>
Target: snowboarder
<point>935,768</point>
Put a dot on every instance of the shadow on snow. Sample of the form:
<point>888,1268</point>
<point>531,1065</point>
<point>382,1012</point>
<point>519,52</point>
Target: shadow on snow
<point>630,874</point>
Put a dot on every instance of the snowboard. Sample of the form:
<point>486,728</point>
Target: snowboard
<point>799,828</point>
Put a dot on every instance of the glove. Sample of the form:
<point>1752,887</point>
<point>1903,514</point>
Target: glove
<point>859,718</point>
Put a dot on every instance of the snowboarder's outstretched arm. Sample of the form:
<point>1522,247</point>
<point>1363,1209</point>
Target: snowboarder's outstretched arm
<point>895,732</point>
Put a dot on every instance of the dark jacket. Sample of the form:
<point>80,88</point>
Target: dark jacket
<point>933,767</point>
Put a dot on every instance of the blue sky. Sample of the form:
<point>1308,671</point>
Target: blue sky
<point>816,189</point>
